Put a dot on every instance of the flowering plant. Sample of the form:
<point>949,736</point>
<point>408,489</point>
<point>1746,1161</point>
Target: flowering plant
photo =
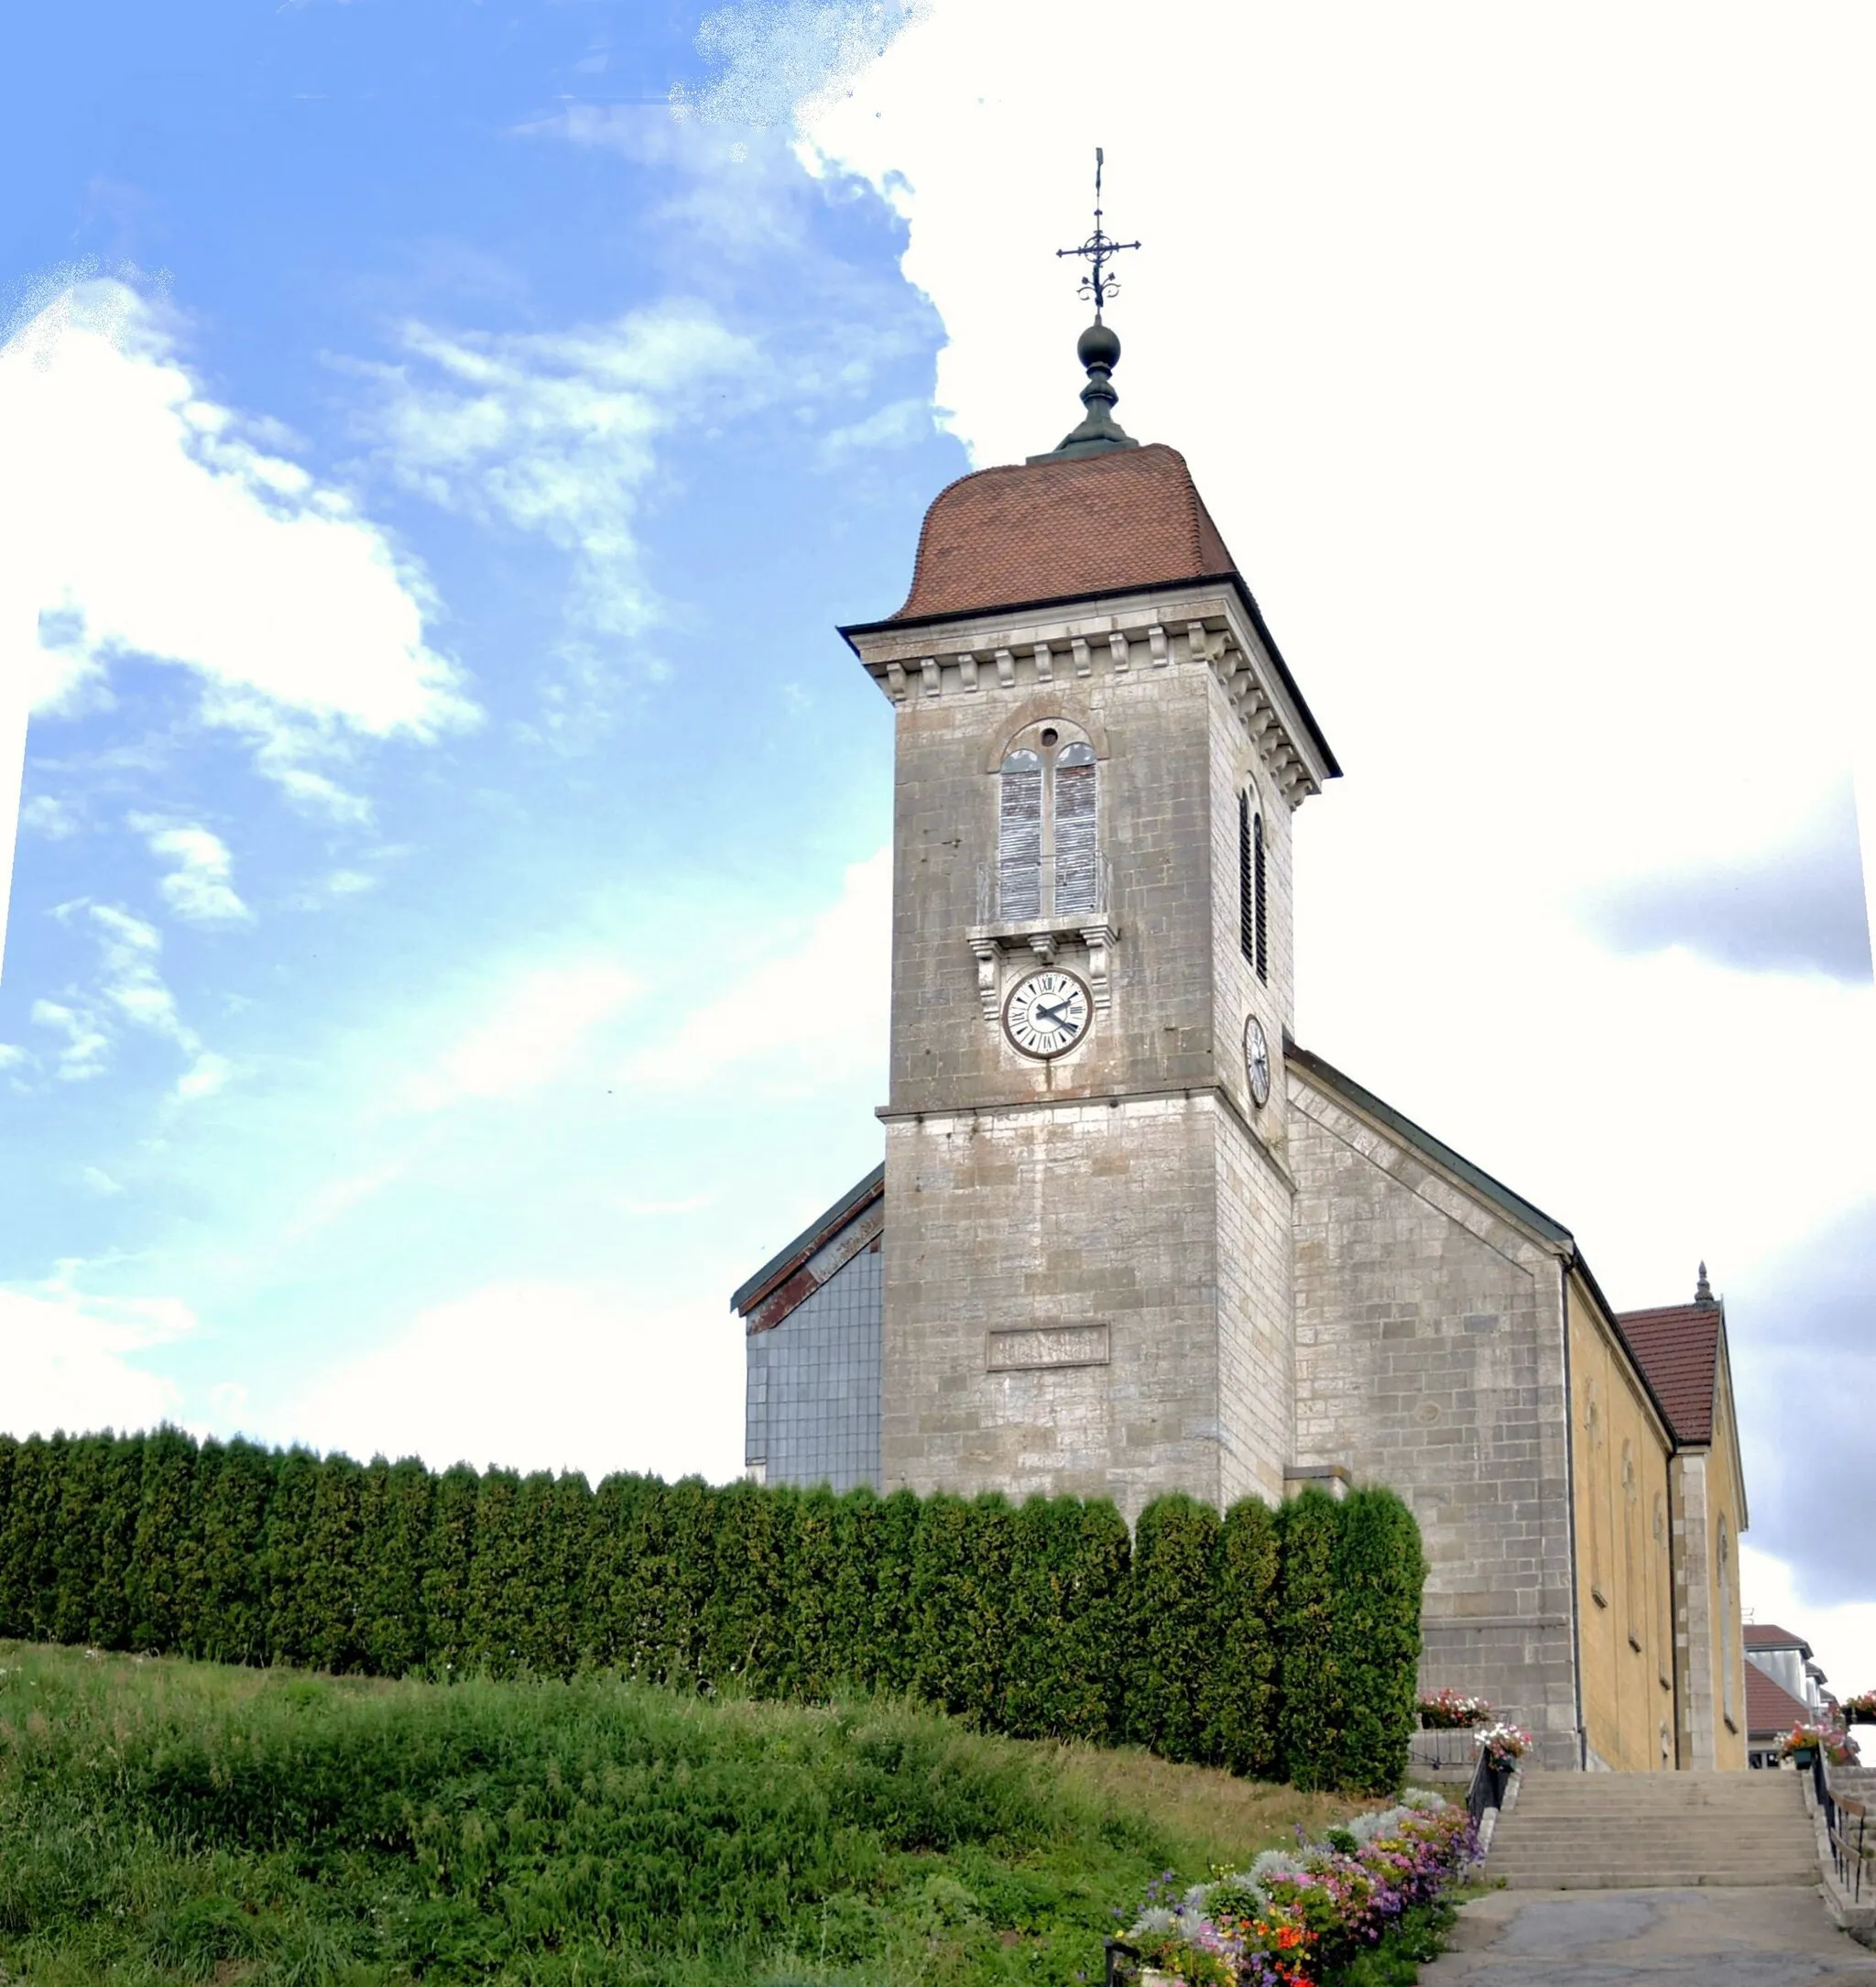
<point>1296,1915</point>
<point>1504,1745</point>
<point>1862,1709</point>
<point>1837,1747</point>
<point>1448,1710</point>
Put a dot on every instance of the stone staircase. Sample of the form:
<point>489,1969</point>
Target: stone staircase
<point>1643,1831</point>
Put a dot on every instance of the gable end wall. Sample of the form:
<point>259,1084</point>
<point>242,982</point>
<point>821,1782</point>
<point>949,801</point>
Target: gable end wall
<point>1430,1358</point>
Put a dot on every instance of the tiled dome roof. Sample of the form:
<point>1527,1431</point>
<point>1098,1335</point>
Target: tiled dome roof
<point>1062,529</point>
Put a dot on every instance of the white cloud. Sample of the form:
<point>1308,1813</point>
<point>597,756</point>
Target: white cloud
<point>806,1017</point>
<point>554,432</point>
<point>101,1183</point>
<point>899,424</point>
<point>541,1376</point>
<point>536,1033</point>
<point>1843,1637</point>
<point>129,992</point>
<point>200,886</point>
<point>778,62</point>
<point>141,519</point>
<point>206,1075</point>
<point>69,1359</point>
<point>87,1048</point>
<point>131,983</point>
<point>339,1196</point>
<point>48,817</point>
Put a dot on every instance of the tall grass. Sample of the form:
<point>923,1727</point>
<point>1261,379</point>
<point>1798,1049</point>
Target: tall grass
<point>163,1821</point>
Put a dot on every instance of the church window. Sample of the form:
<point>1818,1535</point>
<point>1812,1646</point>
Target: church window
<point>1663,1579</point>
<point>1728,1689</point>
<point>1048,829</point>
<point>1246,899</point>
<point>1631,1569</point>
<point>1020,836</point>
<point>1077,843</point>
<point>1592,1430</point>
<point>1253,922</point>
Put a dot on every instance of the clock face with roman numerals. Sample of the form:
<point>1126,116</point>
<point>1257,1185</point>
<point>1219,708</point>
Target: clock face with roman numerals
<point>1257,1062</point>
<point>1047,1013</point>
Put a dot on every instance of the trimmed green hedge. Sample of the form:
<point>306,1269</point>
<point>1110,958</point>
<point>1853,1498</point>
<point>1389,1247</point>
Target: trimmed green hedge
<point>1277,1643</point>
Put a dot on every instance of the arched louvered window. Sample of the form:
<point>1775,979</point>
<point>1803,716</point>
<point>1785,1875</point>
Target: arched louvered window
<point>1247,883</point>
<point>1077,836</point>
<point>1049,826</point>
<point>1020,836</point>
<point>1263,927</point>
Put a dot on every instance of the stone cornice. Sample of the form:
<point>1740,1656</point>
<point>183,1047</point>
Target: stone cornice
<point>1169,630</point>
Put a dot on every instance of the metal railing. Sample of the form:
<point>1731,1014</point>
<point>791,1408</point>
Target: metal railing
<point>1488,1787</point>
<point>1846,1828</point>
<point>1119,1964</point>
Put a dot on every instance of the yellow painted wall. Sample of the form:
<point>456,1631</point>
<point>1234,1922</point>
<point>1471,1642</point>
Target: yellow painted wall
<point>1726,1503</point>
<point>1624,1573</point>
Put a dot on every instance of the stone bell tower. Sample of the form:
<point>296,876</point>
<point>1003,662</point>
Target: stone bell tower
<point>1086,1276</point>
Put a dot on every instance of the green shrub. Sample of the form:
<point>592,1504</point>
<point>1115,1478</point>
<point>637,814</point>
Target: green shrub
<point>1174,1644</point>
<point>1238,1703</point>
<point>1309,1693</point>
<point>1065,1621</point>
<point>960,1594</point>
<point>1281,1642</point>
<point>445,1584</point>
<point>1378,1570</point>
<point>233,1627</point>
<point>164,1566</point>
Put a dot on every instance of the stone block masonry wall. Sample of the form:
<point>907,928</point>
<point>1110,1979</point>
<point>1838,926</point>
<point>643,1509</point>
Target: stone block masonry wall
<point>1430,1358</point>
<point>813,1386</point>
<point>1020,1240</point>
<point>1255,1318</point>
<point>1154,811</point>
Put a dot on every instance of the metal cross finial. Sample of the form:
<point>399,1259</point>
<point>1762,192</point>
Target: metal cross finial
<point>1099,249</point>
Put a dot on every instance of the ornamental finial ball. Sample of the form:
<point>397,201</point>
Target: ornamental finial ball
<point>1097,346</point>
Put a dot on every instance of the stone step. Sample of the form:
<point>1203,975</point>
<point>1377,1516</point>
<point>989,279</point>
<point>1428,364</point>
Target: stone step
<point>1605,1835</point>
<point>1793,1804</point>
<point>1636,1831</point>
<point>1636,1879</point>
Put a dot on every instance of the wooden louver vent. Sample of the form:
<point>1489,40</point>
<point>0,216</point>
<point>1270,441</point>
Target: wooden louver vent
<point>1247,885</point>
<point>1077,841</point>
<point>1263,947</point>
<point>1019,837</point>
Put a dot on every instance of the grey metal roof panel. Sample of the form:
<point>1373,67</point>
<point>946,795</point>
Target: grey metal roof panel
<point>810,1238</point>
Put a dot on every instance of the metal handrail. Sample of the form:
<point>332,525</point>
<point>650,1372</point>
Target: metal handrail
<point>1114,1971</point>
<point>1486,1788</point>
<point>1846,1827</point>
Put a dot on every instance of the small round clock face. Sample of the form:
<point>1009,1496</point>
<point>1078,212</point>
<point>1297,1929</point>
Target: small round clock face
<point>1257,1062</point>
<point>1047,1013</point>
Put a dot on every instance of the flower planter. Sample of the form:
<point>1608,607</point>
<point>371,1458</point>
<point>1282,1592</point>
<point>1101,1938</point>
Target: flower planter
<point>1802,1757</point>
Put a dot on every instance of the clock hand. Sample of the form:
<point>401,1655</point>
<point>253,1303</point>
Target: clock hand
<point>1050,1014</point>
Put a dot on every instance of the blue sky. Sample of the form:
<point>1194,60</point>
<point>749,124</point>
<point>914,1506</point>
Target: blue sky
<point>346,985</point>
<point>447,936</point>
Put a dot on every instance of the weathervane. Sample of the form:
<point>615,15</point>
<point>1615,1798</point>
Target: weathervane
<point>1099,249</point>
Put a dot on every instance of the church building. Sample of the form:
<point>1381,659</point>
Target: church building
<point>1130,1237</point>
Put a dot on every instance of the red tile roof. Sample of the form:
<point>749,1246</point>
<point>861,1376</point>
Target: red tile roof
<point>1770,1706</point>
<point>1677,1347</point>
<point>1769,1635</point>
<point>1054,531</point>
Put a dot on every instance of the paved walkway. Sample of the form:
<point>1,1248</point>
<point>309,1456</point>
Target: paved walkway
<point>1771,1935</point>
